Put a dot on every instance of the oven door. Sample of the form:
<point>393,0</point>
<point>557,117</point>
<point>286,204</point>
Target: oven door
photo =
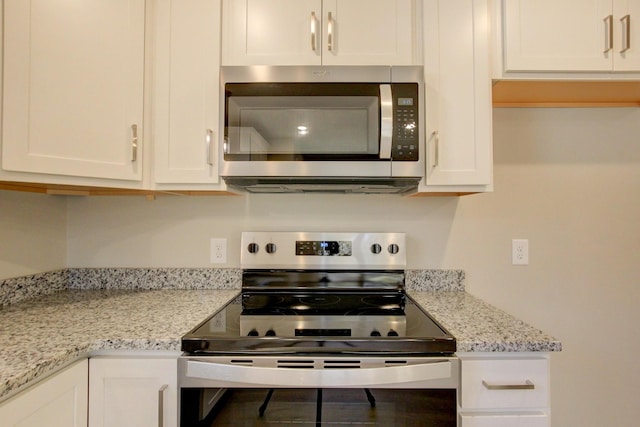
<point>321,391</point>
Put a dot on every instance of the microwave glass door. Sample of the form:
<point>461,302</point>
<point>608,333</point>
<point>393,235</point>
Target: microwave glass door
<point>302,123</point>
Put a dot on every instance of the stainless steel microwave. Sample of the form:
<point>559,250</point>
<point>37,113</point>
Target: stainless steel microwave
<point>323,129</point>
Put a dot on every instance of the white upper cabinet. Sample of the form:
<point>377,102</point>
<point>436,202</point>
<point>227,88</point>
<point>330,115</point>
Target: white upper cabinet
<point>458,111</point>
<point>626,38</point>
<point>571,35</point>
<point>369,32</point>
<point>73,87</point>
<point>318,32</point>
<point>186,91</point>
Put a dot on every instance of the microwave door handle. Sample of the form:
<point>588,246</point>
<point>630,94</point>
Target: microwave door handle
<point>386,121</point>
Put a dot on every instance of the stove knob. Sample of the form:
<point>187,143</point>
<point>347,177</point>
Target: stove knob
<point>270,248</point>
<point>392,333</point>
<point>270,333</point>
<point>376,248</point>
<point>375,333</point>
<point>253,248</point>
<point>253,333</point>
<point>393,248</point>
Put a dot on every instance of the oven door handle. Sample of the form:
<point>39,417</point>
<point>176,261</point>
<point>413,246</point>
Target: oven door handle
<point>386,121</point>
<point>227,375</point>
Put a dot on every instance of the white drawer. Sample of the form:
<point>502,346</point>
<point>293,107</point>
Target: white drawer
<point>504,383</point>
<point>511,420</point>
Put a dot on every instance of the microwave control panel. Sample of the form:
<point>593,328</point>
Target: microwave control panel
<point>405,127</point>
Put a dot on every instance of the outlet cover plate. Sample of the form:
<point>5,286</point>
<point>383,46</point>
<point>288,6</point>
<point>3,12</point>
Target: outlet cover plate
<point>218,251</point>
<point>520,251</point>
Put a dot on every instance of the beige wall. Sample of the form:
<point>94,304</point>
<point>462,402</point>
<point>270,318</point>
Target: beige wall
<point>32,234</point>
<point>567,180</point>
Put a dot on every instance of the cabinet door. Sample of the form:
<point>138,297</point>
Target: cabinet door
<point>368,32</point>
<point>186,94</point>
<point>458,92</point>
<point>133,392</point>
<point>58,401</point>
<point>626,47</point>
<point>518,383</point>
<point>73,87</point>
<point>271,32</point>
<point>558,35</point>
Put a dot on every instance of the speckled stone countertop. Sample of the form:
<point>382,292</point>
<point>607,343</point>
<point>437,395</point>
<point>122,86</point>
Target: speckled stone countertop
<point>478,326</point>
<point>42,334</point>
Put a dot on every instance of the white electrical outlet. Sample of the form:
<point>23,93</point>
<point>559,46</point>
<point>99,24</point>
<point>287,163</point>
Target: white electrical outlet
<point>520,251</point>
<point>219,251</point>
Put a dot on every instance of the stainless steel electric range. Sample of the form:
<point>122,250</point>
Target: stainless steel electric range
<point>318,311</point>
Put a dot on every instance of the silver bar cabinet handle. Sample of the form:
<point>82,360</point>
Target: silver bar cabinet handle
<point>314,32</point>
<point>386,121</point>
<point>161,405</point>
<point>626,33</point>
<point>528,385</point>
<point>134,142</point>
<point>330,32</point>
<point>211,156</point>
<point>608,31</point>
<point>436,148</point>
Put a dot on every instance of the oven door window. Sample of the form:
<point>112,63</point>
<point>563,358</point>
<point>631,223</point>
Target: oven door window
<point>322,407</point>
<point>302,123</point>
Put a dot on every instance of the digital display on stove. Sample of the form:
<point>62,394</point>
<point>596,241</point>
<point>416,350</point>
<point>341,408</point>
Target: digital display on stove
<point>323,248</point>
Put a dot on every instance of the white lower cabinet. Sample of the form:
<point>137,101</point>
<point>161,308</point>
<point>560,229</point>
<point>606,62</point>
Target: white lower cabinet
<point>524,420</point>
<point>135,392</point>
<point>504,389</point>
<point>57,401</point>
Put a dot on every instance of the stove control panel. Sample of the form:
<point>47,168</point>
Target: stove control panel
<point>339,251</point>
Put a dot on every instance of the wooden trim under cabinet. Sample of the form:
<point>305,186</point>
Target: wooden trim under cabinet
<point>565,94</point>
<point>76,190</point>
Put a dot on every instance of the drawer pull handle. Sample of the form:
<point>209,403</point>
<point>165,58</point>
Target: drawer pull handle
<point>314,32</point>
<point>436,148</point>
<point>528,385</point>
<point>211,153</point>
<point>134,142</point>
<point>626,31</point>
<point>608,33</point>
<point>161,394</point>
<point>330,32</point>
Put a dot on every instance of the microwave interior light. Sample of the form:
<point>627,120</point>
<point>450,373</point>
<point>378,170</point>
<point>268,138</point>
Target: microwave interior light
<point>302,130</point>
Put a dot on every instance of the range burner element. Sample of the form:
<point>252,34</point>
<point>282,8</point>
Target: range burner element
<point>322,303</point>
<point>334,293</point>
<point>287,292</point>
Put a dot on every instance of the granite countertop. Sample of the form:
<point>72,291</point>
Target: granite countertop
<point>479,326</point>
<point>40,335</point>
<point>46,333</point>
